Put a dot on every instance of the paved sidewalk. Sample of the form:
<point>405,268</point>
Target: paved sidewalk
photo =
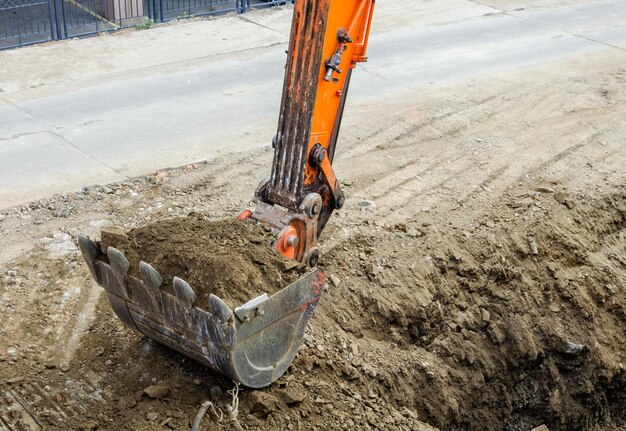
<point>100,109</point>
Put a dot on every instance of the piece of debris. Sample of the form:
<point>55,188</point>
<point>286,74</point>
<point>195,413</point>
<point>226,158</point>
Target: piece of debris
<point>288,265</point>
<point>157,391</point>
<point>65,367</point>
<point>534,250</point>
<point>367,205</point>
<point>351,373</point>
<point>522,203</point>
<point>262,404</point>
<point>559,197</point>
<point>292,396</point>
<point>152,416</point>
<point>372,269</point>
<point>334,280</point>
<point>545,190</point>
<point>159,177</point>
<point>540,428</point>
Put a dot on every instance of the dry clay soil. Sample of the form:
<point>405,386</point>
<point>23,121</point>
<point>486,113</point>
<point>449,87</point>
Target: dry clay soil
<point>478,275</point>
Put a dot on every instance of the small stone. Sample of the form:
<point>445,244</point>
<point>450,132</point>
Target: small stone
<point>157,391</point>
<point>408,413</point>
<point>534,250</point>
<point>65,367</point>
<point>100,223</point>
<point>334,280</point>
<point>351,373</point>
<point>414,233</point>
<point>108,362</point>
<point>262,404</point>
<point>197,382</point>
<point>371,269</point>
<point>152,416</point>
<point>371,393</point>
<point>2,217</point>
<point>570,203</point>
<point>544,190</point>
<point>288,265</point>
<point>367,205</point>
<point>540,428</point>
<point>573,348</point>
<point>559,197</point>
<point>522,203</point>
<point>485,315</point>
<point>354,348</point>
<point>217,393</point>
<point>159,177</point>
<point>292,396</point>
<point>89,426</point>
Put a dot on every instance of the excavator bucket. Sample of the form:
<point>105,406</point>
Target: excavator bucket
<point>253,344</point>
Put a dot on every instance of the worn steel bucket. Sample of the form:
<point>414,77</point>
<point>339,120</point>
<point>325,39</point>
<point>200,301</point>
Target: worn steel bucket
<point>253,344</point>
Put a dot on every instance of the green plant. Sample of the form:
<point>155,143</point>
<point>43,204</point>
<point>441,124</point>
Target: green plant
<point>148,23</point>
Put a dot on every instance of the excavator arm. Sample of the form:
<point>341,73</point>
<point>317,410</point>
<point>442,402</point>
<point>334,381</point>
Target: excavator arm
<point>256,342</point>
<point>328,39</point>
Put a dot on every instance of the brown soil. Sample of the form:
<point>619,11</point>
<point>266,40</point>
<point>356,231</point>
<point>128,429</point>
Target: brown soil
<point>479,270</point>
<point>233,260</point>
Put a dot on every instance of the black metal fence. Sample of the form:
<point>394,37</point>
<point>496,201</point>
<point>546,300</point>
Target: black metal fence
<point>24,22</point>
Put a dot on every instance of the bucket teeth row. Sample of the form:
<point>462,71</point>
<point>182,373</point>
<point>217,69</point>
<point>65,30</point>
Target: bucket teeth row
<point>146,299</point>
<point>254,349</point>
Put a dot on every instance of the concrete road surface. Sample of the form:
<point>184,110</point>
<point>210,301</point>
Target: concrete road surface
<point>80,112</point>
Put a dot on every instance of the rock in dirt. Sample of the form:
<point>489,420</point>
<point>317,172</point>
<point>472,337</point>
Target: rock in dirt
<point>65,367</point>
<point>367,205</point>
<point>559,197</point>
<point>372,269</point>
<point>522,203</point>
<point>152,416</point>
<point>262,404</point>
<point>157,391</point>
<point>89,426</point>
<point>544,189</point>
<point>540,428</point>
<point>351,373</point>
<point>292,396</point>
<point>334,280</point>
<point>532,244</point>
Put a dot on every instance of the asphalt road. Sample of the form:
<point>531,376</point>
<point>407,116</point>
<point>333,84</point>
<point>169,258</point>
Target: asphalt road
<point>113,121</point>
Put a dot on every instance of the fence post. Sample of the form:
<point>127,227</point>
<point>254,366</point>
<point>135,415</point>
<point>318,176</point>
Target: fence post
<point>57,18</point>
<point>50,18</point>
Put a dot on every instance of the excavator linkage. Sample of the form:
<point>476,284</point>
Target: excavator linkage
<point>256,342</point>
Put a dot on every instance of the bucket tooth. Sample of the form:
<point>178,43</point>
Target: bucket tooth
<point>90,252</point>
<point>150,276</point>
<point>219,309</point>
<point>184,293</point>
<point>118,261</point>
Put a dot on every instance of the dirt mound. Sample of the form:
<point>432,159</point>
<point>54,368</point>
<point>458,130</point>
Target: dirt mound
<point>235,261</point>
<point>518,322</point>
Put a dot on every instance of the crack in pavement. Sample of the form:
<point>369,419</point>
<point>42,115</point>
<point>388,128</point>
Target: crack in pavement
<point>512,15</point>
<point>54,132</point>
